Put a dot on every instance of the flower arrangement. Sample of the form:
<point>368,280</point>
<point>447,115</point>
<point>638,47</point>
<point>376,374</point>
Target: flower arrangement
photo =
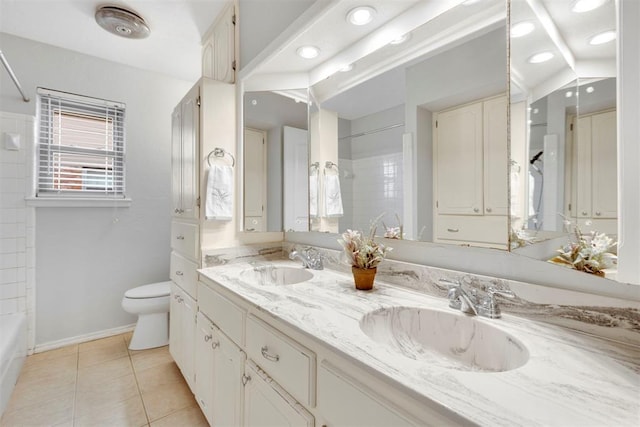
<point>590,253</point>
<point>363,251</point>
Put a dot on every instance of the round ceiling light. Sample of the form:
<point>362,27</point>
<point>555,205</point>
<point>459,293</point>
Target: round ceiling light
<point>522,28</point>
<point>308,52</point>
<point>602,38</point>
<point>346,68</point>
<point>361,15</point>
<point>540,57</point>
<point>580,6</point>
<point>122,22</point>
<point>590,89</point>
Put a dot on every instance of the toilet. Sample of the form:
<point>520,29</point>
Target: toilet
<point>151,304</point>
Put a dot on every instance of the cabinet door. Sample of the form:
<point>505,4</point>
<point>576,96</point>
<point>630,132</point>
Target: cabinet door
<point>335,389</point>
<point>176,160</point>
<point>224,47</point>
<point>268,404</point>
<point>204,372</point>
<point>175,325</point>
<point>459,158</point>
<point>295,179</point>
<point>604,184</point>
<point>228,367</point>
<point>188,331</point>
<point>190,162</point>
<point>496,160</point>
<point>582,163</point>
<point>255,176</point>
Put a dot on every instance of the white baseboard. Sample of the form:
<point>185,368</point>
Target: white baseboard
<point>83,338</point>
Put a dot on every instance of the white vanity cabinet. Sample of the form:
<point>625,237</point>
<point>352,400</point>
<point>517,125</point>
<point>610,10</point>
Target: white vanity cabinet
<point>182,329</point>
<point>470,164</point>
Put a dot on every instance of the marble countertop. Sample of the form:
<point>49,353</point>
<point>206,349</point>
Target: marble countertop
<point>570,379</point>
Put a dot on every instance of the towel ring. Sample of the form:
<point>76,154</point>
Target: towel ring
<point>329,164</point>
<point>220,152</point>
<point>315,165</point>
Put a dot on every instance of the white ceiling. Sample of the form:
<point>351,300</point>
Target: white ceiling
<point>173,48</point>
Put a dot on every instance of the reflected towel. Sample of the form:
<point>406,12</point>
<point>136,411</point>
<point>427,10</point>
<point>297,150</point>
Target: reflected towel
<point>219,193</point>
<point>333,198</point>
<point>313,195</point>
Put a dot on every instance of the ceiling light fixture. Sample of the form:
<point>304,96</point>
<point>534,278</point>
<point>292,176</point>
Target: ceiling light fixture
<point>346,68</point>
<point>568,94</point>
<point>602,38</point>
<point>308,52</point>
<point>540,57</point>
<point>581,6</point>
<point>122,22</point>
<point>522,28</point>
<point>361,15</point>
<point>470,2</point>
<point>590,89</point>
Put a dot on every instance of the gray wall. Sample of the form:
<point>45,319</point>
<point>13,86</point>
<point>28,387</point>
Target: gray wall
<point>86,258</point>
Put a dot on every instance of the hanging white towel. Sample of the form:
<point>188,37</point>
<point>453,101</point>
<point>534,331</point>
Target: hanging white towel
<point>332,195</point>
<point>219,193</point>
<point>313,195</point>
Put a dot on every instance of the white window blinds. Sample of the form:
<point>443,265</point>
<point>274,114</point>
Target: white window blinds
<point>81,146</point>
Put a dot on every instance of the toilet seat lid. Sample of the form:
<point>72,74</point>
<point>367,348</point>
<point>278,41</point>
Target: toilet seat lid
<point>154,290</point>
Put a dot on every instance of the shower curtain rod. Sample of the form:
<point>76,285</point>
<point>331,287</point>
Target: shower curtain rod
<point>13,76</point>
<point>368,132</point>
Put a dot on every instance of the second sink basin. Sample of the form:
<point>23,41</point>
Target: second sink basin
<point>273,275</point>
<point>448,339</point>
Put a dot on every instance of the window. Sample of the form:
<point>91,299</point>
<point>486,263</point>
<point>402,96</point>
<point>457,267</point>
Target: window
<point>81,143</point>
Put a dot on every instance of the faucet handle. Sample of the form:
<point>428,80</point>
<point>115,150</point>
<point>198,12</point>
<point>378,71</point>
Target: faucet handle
<point>489,307</point>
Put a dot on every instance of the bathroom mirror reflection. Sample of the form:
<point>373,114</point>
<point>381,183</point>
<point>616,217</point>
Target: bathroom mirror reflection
<point>422,145</point>
<point>563,135</point>
<point>275,161</point>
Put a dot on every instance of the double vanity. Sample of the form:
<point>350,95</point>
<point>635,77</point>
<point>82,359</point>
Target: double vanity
<point>279,344</point>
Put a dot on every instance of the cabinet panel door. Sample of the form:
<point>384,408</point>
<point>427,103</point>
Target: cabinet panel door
<point>295,179</point>
<point>203,353</point>
<point>604,165</point>
<point>268,404</point>
<point>188,332</point>
<point>582,155</point>
<point>228,366</point>
<point>496,161</point>
<point>343,402</point>
<point>176,161</point>
<point>224,47</point>
<point>459,161</point>
<point>175,324</point>
<point>255,174</point>
<point>190,162</point>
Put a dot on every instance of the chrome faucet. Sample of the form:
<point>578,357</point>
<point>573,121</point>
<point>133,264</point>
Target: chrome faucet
<point>469,302</point>
<point>310,257</point>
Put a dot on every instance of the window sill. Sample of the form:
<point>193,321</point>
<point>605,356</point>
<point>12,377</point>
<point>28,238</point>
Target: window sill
<point>72,202</point>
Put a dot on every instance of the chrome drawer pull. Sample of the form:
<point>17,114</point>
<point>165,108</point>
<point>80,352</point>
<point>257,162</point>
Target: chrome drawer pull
<point>215,345</point>
<point>207,338</point>
<point>180,237</point>
<point>452,230</point>
<point>264,350</point>
<point>179,273</point>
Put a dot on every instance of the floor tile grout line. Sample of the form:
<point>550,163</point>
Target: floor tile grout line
<point>75,392</point>
<point>135,376</point>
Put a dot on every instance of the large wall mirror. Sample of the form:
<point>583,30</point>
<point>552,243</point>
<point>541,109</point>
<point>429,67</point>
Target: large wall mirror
<point>420,144</point>
<point>563,115</point>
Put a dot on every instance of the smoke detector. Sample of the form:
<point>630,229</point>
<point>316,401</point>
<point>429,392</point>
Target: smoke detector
<point>122,22</point>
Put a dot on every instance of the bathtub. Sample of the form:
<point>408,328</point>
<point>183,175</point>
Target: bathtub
<point>13,352</point>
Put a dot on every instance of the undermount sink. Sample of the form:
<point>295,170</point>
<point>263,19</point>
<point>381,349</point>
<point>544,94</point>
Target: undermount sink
<point>447,339</point>
<point>272,275</point>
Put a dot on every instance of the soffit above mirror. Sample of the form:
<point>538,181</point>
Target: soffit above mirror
<point>325,26</point>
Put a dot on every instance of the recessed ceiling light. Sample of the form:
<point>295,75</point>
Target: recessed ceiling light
<point>602,38</point>
<point>580,6</point>
<point>522,28</point>
<point>308,52</point>
<point>590,89</point>
<point>536,111</point>
<point>398,40</point>
<point>346,68</point>
<point>568,94</point>
<point>254,102</point>
<point>361,15</point>
<point>540,57</point>
<point>470,2</point>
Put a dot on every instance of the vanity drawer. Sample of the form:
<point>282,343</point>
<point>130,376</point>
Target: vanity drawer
<point>184,239</point>
<point>184,273</point>
<point>490,230</point>
<point>225,314</point>
<point>290,364</point>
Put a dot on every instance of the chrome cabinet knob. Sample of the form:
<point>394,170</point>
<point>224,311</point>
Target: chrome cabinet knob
<point>598,213</point>
<point>489,209</point>
<point>584,213</point>
<point>476,210</point>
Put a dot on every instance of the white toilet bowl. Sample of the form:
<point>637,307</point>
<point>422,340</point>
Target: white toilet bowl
<point>151,304</point>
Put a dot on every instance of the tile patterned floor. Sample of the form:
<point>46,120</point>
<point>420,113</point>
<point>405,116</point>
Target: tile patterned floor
<point>102,383</point>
